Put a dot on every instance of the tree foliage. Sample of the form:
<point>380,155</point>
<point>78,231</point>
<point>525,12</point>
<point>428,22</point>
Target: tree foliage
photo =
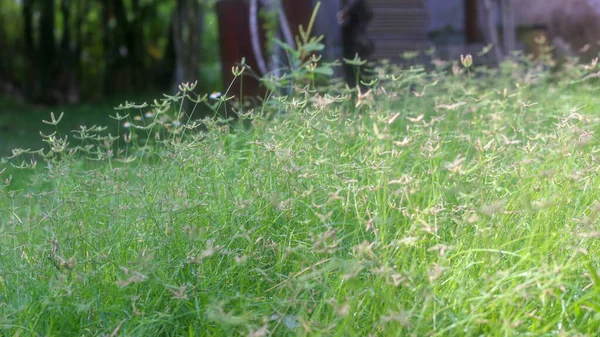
<point>59,51</point>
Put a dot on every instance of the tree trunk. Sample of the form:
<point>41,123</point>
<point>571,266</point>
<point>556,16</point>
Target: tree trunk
<point>168,64</point>
<point>83,7</point>
<point>123,76</point>
<point>31,86</point>
<point>508,26</point>
<point>65,42</point>
<point>188,24</point>
<point>4,64</point>
<point>136,59</point>
<point>107,47</point>
<point>47,53</point>
<point>354,19</point>
<point>331,30</point>
<point>490,32</point>
<point>67,79</point>
<point>119,45</point>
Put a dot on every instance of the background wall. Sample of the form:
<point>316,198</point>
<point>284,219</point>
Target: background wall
<point>577,22</point>
<point>445,13</point>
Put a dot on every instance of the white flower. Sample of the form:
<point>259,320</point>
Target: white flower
<point>137,118</point>
<point>148,114</point>
<point>215,95</point>
<point>126,125</point>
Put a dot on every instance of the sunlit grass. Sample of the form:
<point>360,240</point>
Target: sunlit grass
<point>438,203</point>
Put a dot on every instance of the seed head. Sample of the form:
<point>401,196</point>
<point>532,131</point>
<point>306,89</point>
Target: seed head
<point>467,61</point>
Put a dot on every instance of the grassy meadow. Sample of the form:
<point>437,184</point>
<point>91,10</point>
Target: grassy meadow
<point>439,202</point>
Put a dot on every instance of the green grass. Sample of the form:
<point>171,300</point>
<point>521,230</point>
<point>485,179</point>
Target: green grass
<point>467,209</point>
<point>20,124</point>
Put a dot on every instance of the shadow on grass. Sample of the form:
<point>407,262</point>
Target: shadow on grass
<point>21,124</point>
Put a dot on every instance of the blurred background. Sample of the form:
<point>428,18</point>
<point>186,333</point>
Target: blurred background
<point>56,52</point>
<point>72,51</point>
<point>84,57</point>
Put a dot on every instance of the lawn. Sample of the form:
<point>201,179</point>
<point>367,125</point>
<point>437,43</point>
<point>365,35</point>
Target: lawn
<point>441,202</point>
<point>21,124</point>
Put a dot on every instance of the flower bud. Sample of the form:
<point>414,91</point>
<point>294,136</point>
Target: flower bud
<point>467,61</point>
